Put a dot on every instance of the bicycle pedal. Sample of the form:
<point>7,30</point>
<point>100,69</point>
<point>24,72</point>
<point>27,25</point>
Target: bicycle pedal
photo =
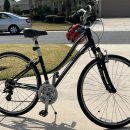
<point>43,113</point>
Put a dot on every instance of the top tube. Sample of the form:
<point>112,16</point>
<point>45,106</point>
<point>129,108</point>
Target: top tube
<point>86,32</point>
<point>64,61</point>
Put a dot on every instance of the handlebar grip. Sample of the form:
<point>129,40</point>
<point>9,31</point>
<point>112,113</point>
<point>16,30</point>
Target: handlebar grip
<point>89,8</point>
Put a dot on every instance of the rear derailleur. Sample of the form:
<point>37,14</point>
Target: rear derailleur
<point>9,89</point>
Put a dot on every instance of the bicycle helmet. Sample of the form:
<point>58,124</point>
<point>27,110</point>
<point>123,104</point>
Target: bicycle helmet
<point>85,16</point>
<point>90,15</point>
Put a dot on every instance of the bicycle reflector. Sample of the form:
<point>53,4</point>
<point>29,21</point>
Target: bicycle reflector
<point>72,34</point>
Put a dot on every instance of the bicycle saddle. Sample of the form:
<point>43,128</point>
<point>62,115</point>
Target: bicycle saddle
<point>31,33</point>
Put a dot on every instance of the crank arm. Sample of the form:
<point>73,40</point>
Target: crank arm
<point>45,112</point>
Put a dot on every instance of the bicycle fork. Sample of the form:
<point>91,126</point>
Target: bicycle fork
<point>104,72</point>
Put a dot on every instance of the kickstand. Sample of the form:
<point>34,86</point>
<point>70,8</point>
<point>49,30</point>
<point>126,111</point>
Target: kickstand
<point>55,114</point>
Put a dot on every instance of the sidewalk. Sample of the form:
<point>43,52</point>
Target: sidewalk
<point>114,24</point>
<point>70,116</point>
<point>116,31</point>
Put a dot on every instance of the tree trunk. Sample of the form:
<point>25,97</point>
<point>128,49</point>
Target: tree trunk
<point>86,1</point>
<point>40,2</point>
<point>75,4</point>
<point>31,8</point>
<point>68,7</point>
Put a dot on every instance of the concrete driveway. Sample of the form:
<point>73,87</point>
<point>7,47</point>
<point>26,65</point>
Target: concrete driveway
<point>70,116</point>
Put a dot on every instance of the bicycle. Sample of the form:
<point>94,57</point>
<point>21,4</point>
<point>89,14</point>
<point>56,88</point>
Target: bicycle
<point>102,96</point>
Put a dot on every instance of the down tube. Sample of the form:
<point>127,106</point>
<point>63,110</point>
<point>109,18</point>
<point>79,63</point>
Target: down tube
<point>71,62</point>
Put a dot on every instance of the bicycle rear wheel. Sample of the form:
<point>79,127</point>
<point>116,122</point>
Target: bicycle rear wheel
<point>22,98</point>
<point>110,110</point>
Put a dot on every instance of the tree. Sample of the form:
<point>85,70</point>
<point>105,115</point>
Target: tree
<point>31,8</point>
<point>75,3</point>
<point>7,5</point>
<point>37,3</point>
<point>68,7</point>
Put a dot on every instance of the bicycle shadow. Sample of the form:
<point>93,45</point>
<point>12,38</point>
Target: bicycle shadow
<point>24,123</point>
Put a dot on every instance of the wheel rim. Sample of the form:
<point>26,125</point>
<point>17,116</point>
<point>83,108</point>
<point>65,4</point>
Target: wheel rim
<point>107,108</point>
<point>13,29</point>
<point>22,99</point>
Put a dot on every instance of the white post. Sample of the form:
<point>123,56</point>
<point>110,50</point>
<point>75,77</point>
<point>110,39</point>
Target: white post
<point>100,8</point>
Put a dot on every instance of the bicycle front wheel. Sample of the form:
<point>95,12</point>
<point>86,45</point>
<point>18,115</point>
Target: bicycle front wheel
<point>110,110</point>
<point>17,97</point>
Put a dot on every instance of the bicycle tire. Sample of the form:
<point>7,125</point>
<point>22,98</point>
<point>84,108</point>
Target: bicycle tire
<point>13,62</point>
<point>88,105</point>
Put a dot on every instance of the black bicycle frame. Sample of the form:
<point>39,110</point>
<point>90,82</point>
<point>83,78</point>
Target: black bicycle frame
<point>90,44</point>
<point>30,65</point>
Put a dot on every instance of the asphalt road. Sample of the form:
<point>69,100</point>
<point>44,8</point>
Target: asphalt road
<point>52,37</point>
<point>109,37</point>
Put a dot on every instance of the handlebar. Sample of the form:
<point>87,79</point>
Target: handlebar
<point>87,16</point>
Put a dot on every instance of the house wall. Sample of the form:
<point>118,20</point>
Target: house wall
<point>115,8</point>
<point>23,4</point>
<point>1,4</point>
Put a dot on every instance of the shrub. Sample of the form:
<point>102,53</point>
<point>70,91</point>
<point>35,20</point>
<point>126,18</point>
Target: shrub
<point>59,19</point>
<point>50,18</point>
<point>61,14</point>
<point>16,10</point>
<point>26,12</point>
<point>37,17</point>
<point>7,5</point>
<point>41,12</point>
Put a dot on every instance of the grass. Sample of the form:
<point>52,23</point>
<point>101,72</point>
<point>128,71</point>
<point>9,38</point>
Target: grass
<point>53,55</point>
<point>50,26</point>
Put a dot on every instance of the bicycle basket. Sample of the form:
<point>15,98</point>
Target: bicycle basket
<point>72,34</point>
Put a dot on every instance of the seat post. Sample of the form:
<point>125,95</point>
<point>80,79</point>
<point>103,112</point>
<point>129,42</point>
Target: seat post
<point>37,48</point>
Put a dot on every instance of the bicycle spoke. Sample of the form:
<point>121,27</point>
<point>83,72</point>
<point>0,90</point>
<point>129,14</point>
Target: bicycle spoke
<point>95,79</point>
<point>110,108</point>
<point>105,108</point>
<point>21,103</point>
<point>116,73</point>
<point>120,75</point>
<point>93,89</point>
<point>114,108</point>
<point>99,104</point>
<point>124,77</point>
<point>94,85</point>
<point>24,95</point>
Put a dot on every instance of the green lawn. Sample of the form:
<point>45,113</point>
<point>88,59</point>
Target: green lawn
<point>53,55</point>
<point>50,26</point>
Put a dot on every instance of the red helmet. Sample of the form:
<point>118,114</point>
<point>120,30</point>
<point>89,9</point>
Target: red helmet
<point>72,35</point>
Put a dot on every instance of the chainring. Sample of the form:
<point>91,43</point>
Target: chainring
<point>47,92</point>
